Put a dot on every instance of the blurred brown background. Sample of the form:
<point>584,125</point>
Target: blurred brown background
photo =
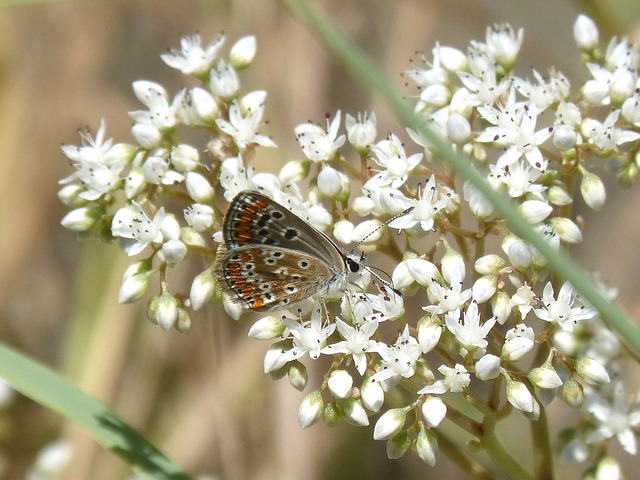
<point>202,397</point>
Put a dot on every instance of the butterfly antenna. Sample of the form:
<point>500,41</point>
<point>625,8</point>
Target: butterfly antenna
<point>386,222</point>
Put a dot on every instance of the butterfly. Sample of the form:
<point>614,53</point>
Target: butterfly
<point>271,258</point>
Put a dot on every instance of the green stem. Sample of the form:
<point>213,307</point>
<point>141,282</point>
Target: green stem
<point>542,452</point>
<point>467,464</point>
<point>498,454</point>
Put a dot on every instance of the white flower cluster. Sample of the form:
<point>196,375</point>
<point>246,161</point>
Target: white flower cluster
<point>483,312</point>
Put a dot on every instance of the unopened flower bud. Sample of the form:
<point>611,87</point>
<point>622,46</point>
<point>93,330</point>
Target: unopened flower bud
<point>398,445</point>
<point>452,265</point>
<point>372,395</point>
<point>557,195</point>
<point>564,137</point>
<point>501,307</point>
<point>568,231</point>
<point>390,423</point>
<point>489,264</point>
<point>544,377</point>
<point>267,328</point>
<point>458,128</point>
<point>297,374</point>
<point>484,288</point>
<point>534,211</point>
<point>520,254</point>
<point>592,371</point>
<point>585,33</point>
<point>519,396</point>
<point>488,367</point>
<point>433,411</point>
<point>199,188</point>
<point>572,393</point>
<point>163,310</point>
<point>427,446</point>
<point>593,191</point>
<point>294,171</point>
<point>354,412</point>
<point>134,286</point>
<point>242,52</point>
<point>329,182</point>
<point>82,219</point>
<point>340,383</point>
<point>310,409</point>
<point>147,135</point>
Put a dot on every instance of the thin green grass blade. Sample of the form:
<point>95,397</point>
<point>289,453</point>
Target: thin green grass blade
<point>49,389</point>
<point>559,262</point>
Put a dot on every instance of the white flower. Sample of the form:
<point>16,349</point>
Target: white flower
<point>398,359</point>
<point>357,342</point>
<point>605,136</point>
<point>160,115</point>
<point>613,418</point>
<point>469,333</point>
<point>361,131</point>
<point>503,44</point>
<point>519,178</point>
<point>561,311</point>
<point>449,300</point>
<point>316,144</point>
<point>135,229</point>
<point>308,337</point>
<point>516,130</point>
<point>424,210</point>
<point>192,59</point>
<point>456,379</point>
<point>199,216</point>
<point>390,155</point>
<point>244,128</point>
<point>98,163</point>
<point>223,81</point>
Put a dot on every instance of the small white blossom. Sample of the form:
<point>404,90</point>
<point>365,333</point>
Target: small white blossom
<point>561,310</point>
<point>469,333</point>
<point>613,417</point>
<point>398,360</point>
<point>456,379</point>
<point>135,229</point>
<point>361,131</point>
<point>390,155</point>
<point>318,144</point>
<point>243,128</point>
<point>357,342</point>
<point>192,59</point>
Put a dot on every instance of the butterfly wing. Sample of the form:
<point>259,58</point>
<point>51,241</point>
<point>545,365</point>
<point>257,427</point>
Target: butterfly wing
<point>255,219</point>
<point>272,278</point>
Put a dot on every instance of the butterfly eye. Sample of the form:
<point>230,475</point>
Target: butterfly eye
<point>353,265</point>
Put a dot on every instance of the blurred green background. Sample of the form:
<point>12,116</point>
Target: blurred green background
<point>202,397</point>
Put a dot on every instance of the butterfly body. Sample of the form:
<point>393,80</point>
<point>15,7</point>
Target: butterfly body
<point>272,259</point>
